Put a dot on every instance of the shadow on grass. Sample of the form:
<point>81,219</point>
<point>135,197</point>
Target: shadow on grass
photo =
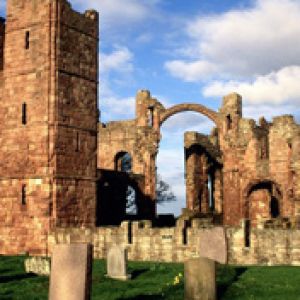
<point>8,278</point>
<point>137,273</point>
<point>223,287</point>
<point>146,297</point>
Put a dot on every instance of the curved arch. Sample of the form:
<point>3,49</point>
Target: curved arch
<point>123,161</point>
<point>211,114</point>
<point>267,183</point>
<point>253,183</point>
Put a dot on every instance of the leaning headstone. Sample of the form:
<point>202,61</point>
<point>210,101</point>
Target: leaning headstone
<point>37,265</point>
<point>213,244</point>
<point>71,271</point>
<point>117,263</point>
<point>200,279</point>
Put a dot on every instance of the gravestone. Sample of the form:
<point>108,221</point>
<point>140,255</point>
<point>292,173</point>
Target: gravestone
<point>71,271</point>
<point>37,265</point>
<point>117,263</point>
<point>213,244</point>
<point>200,279</point>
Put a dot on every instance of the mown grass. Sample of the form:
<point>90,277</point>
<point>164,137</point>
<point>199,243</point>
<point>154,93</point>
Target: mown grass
<point>156,281</point>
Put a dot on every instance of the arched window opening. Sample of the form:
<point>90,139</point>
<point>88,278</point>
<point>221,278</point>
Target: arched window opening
<point>228,122</point>
<point>266,195</point>
<point>123,162</point>
<point>131,207</point>
<point>210,185</point>
<point>274,207</point>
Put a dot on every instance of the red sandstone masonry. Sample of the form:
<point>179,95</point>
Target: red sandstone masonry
<point>50,161</point>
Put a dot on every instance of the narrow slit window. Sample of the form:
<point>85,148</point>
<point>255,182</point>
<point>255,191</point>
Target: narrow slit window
<point>27,41</point>
<point>24,113</point>
<point>150,116</point>
<point>77,142</point>
<point>247,233</point>
<point>229,122</point>
<point>23,196</point>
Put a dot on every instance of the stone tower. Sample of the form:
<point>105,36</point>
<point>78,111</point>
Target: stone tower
<point>48,124</point>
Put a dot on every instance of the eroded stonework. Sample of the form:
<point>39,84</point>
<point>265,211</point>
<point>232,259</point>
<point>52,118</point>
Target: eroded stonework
<point>49,118</point>
<point>253,169</point>
<point>64,175</point>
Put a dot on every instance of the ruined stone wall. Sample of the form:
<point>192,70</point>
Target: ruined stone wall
<point>139,138</point>
<point>272,246</point>
<point>24,128</point>
<point>203,166</point>
<point>176,244</point>
<point>47,171</point>
<point>259,161</point>
<point>77,117</point>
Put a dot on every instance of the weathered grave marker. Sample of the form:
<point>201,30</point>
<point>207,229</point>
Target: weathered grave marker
<point>71,271</point>
<point>117,263</point>
<point>200,279</point>
<point>37,265</point>
<point>213,244</point>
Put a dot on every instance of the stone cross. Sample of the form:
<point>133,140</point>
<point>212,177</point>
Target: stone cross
<point>117,263</point>
<point>200,279</point>
<point>71,272</point>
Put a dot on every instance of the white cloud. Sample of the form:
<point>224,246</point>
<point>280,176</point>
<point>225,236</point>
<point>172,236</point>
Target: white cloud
<point>114,105</point>
<point>120,60</point>
<point>115,68</point>
<point>116,13</point>
<point>267,111</point>
<point>187,121</point>
<point>144,38</point>
<point>191,71</point>
<point>274,88</point>
<point>241,42</point>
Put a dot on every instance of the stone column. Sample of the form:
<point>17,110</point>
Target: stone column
<point>200,279</point>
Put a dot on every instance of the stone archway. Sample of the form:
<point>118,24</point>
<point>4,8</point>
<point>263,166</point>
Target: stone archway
<point>211,114</point>
<point>205,193</point>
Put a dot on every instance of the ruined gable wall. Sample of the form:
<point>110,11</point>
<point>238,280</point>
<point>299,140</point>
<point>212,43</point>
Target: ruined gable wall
<point>259,153</point>
<point>256,153</point>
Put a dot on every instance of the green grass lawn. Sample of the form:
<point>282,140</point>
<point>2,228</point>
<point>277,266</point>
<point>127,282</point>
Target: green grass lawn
<point>156,281</point>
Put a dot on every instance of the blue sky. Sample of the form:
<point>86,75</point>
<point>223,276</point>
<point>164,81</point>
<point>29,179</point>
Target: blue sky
<point>196,51</point>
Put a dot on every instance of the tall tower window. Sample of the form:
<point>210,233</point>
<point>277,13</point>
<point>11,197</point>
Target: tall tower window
<point>27,42</point>
<point>228,122</point>
<point>24,113</point>
<point>77,142</point>
<point>23,196</point>
<point>150,116</point>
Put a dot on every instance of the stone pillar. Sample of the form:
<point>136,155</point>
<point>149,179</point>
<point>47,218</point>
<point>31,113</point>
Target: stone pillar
<point>218,191</point>
<point>200,279</point>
